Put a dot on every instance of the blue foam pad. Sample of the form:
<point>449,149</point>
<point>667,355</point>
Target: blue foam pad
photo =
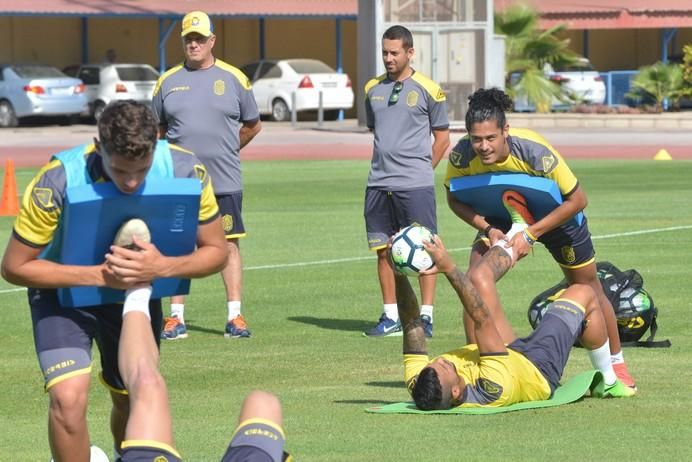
<point>483,193</point>
<point>94,213</point>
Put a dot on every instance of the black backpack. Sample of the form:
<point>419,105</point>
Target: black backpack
<point>634,307</point>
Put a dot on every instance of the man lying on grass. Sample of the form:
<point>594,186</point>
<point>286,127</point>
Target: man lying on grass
<point>490,373</point>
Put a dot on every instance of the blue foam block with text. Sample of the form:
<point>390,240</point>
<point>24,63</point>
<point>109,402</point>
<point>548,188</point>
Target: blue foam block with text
<point>93,214</point>
<point>483,193</point>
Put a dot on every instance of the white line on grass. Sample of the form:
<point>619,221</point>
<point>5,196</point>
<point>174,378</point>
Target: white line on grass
<point>458,249</point>
<point>369,257</point>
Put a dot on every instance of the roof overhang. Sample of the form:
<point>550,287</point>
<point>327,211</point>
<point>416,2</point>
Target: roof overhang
<point>609,14</point>
<point>178,8</point>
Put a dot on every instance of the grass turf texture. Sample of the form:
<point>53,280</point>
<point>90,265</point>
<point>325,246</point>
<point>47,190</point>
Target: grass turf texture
<point>307,321</point>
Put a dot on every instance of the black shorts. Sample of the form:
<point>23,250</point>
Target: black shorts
<point>230,209</point>
<point>148,454</point>
<point>386,212</point>
<point>569,244</point>
<point>548,346</point>
<point>63,337</point>
<point>256,441</point>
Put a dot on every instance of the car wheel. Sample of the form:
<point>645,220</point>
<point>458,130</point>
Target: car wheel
<point>332,114</point>
<point>99,106</point>
<point>68,120</point>
<point>8,118</point>
<point>280,111</point>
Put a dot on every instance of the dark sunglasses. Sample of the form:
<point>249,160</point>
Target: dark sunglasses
<point>394,97</point>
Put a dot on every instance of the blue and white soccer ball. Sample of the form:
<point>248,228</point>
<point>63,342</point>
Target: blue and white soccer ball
<point>97,455</point>
<point>408,255</point>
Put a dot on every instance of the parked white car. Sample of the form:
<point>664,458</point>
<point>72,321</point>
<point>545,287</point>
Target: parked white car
<point>108,82</point>
<point>578,81</point>
<point>274,82</point>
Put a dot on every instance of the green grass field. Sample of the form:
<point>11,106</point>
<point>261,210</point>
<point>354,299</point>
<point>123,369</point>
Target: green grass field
<point>310,289</point>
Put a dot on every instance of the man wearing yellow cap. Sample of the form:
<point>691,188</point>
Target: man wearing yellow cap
<point>207,106</point>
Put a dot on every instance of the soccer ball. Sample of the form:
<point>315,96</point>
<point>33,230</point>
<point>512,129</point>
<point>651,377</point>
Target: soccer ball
<point>408,255</point>
<point>536,312</point>
<point>634,313</point>
<point>539,306</point>
<point>97,455</point>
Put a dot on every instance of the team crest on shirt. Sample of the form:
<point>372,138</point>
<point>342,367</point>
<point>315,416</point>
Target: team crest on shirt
<point>455,159</point>
<point>489,387</point>
<point>219,87</point>
<point>201,173</point>
<point>548,163</point>
<point>43,197</point>
<point>160,459</point>
<point>227,222</point>
<point>412,98</point>
<point>568,254</point>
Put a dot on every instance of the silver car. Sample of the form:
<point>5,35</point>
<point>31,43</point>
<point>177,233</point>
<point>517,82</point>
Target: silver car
<point>109,82</point>
<point>38,90</point>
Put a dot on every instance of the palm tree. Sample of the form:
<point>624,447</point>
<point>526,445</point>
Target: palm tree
<point>527,51</point>
<point>660,82</point>
<point>687,70</point>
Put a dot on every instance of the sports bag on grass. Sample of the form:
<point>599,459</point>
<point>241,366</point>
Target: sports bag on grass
<point>634,307</point>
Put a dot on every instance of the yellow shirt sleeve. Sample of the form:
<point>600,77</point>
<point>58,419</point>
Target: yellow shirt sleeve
<point>413,364</point>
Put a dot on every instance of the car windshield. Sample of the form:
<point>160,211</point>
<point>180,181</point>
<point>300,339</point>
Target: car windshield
<point>579,66</point>
<point>37,72</point>
<point>310,66</point>
<point>135,74</point>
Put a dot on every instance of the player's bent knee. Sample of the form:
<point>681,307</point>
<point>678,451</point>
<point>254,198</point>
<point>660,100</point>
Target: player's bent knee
<point>481,276</point>
<point>147,381</point>
<point>68,406</point>
<point>261,404</point>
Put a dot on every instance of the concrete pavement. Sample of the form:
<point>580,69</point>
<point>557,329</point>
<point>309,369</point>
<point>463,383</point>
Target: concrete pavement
<point>33,145</point>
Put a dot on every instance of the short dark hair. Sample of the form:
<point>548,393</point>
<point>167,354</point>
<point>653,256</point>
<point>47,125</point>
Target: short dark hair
<point>128,128</point>
<point>399,33</point>
<point>489,104</point>
<point>427,393</point>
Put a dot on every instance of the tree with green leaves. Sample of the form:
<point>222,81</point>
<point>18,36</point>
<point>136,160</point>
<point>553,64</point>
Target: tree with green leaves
<point>687,70</point>
<point>659,82</point>
<point>527,51</point>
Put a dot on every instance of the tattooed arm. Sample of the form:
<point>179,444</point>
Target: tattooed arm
<point>414,337</point>
<point>487,336</point>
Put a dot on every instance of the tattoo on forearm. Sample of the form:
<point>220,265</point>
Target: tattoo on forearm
<point>469,296</point>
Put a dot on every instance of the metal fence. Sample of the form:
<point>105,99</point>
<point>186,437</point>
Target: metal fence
<point>618,83</point>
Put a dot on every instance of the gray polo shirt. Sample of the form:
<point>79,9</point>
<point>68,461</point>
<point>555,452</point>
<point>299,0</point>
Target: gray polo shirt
<point>203,110</point>
<point>402,153</point>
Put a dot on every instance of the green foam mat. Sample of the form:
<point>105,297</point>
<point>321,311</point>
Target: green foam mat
<point>571,391</point>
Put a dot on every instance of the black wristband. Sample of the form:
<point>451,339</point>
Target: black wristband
<point>487,230</point>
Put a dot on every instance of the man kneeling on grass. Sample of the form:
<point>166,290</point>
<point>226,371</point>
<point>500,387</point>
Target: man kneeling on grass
<point>491,373</point>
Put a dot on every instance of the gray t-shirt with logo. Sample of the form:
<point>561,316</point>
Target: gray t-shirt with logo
<point>402,153</point>
<point>203,110</point>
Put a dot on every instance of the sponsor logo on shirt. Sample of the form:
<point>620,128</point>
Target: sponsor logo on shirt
<point>179,88</point>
